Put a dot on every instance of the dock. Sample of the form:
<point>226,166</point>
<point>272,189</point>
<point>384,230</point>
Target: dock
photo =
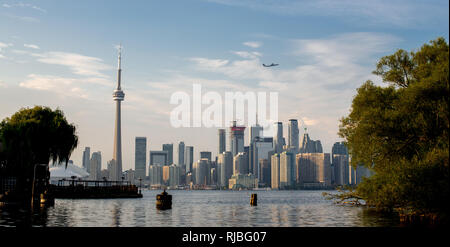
<point>87,189</point>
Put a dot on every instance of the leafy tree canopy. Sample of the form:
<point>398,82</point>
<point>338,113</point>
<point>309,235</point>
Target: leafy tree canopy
<point>401,131</point>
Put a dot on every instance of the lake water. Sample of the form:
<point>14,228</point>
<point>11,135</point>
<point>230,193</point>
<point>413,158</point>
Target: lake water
<point>201,208</point>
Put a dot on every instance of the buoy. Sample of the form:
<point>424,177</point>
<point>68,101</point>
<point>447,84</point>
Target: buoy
<point>163,201</point>
<point>254,200</point>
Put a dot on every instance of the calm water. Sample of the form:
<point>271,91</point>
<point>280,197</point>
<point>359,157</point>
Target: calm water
<point>201,208</point>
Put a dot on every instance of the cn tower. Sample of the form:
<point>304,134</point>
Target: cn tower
<point>118,96</point>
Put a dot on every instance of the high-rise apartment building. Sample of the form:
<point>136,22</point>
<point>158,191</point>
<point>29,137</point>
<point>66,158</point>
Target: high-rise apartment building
<point>189,158</point>
<point>293,135</point>
<point>313,170</point>
<point>86,158</point>
<point>278,139</point>
<point>225,165</point>
<point>158,158</point>
<point>181,149</point>
<point>95,166</point>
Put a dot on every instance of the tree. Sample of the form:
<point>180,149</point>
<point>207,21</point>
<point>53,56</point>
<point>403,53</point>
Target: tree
<point>33,136</point>
<point>401,132</point>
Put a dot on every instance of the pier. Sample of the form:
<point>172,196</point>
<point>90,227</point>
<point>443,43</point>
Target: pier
<point>86,189</point>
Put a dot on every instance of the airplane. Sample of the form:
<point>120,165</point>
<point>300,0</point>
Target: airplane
<point>270,65</point>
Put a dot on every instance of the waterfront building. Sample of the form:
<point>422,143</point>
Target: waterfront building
<point>174,175</point>
<point>155,173</point>
<point>243,181</point>
<point>287,170</point>
<point>313,170</point>
<point>140,157</point>
<point>169,149</point>
<point>166,175</point>
<point>202,170</point>
<point>130,176</point>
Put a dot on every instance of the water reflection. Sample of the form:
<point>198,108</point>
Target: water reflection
<point>200,208</point>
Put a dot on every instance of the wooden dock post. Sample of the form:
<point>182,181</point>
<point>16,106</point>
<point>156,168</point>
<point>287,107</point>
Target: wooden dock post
<point>254,200</point>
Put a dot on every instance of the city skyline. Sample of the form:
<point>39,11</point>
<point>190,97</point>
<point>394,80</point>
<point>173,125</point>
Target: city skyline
<point>222,47</point>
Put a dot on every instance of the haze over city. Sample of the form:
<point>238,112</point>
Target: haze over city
<point>64,55</point>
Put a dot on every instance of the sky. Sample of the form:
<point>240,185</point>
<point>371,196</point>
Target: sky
<point>63,54</point>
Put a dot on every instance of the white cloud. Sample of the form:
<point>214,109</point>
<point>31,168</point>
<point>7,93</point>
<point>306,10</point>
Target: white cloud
<point>31,46</point>
<point>60,85</point>
<point>79,64</point>
<point>209,63</point>
<point>246,54</point>
<point>24,5</point>
<point>252,44</point>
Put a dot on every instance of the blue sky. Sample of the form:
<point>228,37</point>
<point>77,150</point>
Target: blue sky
<point>62,54</point>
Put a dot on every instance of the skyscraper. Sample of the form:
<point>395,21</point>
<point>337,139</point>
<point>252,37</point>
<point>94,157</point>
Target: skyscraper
<point>275,171</point>
<point>293,135</point>
<point>86,158</point>
<point>222,141</point>
<point>310,146</point>
<point>260,149</point>
<point>278,139</point>
<point>202,169</point>
<point>313,170</point>
<point>240,163</point>
<point>140,157</point>
<point>236,139</point>
<point>225,165</point>
<point>287,170</point>
<point>158,158</point>
<point>181,161</point>
<point>169,149</point>
<point>189,158</point>
<point>95,166</point>
<point>118,96</point>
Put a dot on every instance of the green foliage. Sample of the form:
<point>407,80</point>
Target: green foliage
<point>401,131</point>
<point>35,136</point>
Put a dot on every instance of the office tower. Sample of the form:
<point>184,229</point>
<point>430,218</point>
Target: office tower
<point>205,155</point>
<point>213,176</point>
<point>202,169</point>
<point>310,146</point>
<point>293,136</point>
<point>95,166</point>
<point>313,170</point>
<point>86,158</point>
<point>140,157</point>
<point>158,158</point>
<point>169,149</point>
<point>189,158</point>
<point>341,169</point>
<point>287,170</point>
<point>236,139</point>
<point>225,164</point>
<point>255,131</point>
<point>222,142</point>
<point>260,149</point>
<point>155,173</point>
<point>339,148</point>
<point>275,170</point>
<point>174,175</point>
<point>240,163</point>
<point>111,170</point>
<point>264,175</point>
<point>118,96</point>
<point>278,139</point>
<point>181,150</point>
